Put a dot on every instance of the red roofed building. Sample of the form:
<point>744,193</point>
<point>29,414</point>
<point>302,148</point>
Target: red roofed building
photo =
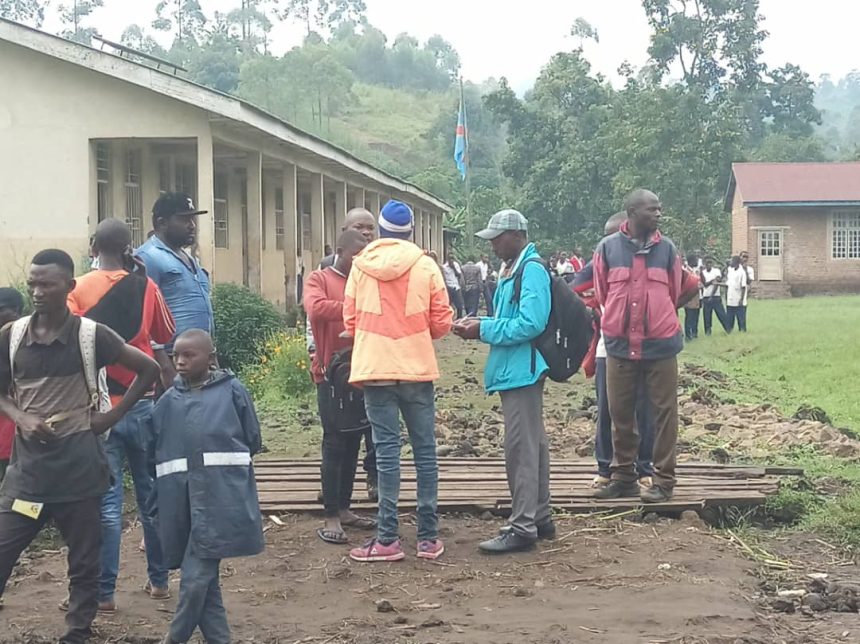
<point>800,223</point>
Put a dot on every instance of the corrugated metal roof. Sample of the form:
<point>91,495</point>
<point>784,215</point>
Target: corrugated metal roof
<point>795,183</point>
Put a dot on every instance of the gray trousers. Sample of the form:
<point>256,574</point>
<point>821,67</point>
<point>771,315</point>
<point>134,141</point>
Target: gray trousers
<point>526,458</point>
<point>200,603</point>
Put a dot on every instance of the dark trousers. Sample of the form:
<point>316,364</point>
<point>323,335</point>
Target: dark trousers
<point>79,523</point>
<point>471,300</point>
<point>603,438</point>
<point>691,323</point>
<point>738,313</point>
<point>369,465</point>
<point>711,305</point>
<point>200,604</point>
<point>488,299</point>
<point>339,460</point>
<point>455,296</point>
<point>623,379</point>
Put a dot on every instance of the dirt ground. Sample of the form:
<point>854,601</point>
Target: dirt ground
<point>607,581</point>
<point>623,579</point>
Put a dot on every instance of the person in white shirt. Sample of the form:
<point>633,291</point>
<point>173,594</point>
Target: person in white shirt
<point>486,271</point>
<point>453,274</point>
<point>712,301</point>
<point>563,267</point>
<point>742,313</point>
<point>736,292</point>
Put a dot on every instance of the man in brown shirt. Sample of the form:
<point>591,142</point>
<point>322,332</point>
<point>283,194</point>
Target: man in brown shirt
<point>58,468</point>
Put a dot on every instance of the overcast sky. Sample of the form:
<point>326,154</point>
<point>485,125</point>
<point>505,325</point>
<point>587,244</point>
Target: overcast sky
<point>515,39</point>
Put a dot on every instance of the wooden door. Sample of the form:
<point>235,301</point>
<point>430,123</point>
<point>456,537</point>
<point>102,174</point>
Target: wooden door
<point>770,250</point>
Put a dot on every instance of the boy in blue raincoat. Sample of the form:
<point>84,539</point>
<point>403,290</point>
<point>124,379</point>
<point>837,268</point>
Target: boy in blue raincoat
<point>206,432</point>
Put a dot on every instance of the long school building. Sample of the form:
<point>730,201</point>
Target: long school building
<point>87,134</point>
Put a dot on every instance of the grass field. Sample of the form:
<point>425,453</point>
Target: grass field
<point>797,351</point>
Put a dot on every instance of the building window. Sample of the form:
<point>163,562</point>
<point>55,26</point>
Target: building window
<point>103,180</point>
<point>186,179</point>
<point>279,218</point>
<point>770,243</point>
<point>220,214</point>
<point>845,234</point>
<point>134,196</point>
<point>165,183</point>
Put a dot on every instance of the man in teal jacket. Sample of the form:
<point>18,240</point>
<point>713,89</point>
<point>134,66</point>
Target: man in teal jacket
<point>517,370</point>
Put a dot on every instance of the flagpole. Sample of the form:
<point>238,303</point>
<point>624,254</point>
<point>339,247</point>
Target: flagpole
<point>470,226</point>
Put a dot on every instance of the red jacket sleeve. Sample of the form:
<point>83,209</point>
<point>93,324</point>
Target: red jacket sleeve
<point>317,304</point>
<point>162,328</point>
<point>600,277</point>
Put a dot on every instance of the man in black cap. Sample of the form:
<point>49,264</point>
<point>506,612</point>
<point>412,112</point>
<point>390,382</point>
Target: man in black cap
<point>183,282</point>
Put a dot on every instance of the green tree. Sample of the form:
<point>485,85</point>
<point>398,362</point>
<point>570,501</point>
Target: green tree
<point>583,30</point>
<point>323,14</point>
<point>30,12</point>
<point>708,39</point>
<point>186,17</point>
<point>790,101</point>
<point>252,23</point>
<point>73,15</point>
<point>135,37</point>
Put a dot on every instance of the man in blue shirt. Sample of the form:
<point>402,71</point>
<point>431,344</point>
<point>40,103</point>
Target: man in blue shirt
<point>517,371</point>
<point>183,282</point>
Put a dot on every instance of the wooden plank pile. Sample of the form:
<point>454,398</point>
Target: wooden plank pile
<point>467,484</point>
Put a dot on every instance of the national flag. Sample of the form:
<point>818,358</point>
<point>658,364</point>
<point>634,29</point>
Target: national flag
<point>461,141</point>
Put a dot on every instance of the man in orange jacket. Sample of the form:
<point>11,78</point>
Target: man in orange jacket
<point>395,305</point>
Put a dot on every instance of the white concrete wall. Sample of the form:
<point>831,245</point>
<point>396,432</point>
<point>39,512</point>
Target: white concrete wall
<point>46,124</point>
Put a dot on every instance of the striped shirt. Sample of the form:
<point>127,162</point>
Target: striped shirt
<point>48,380</point>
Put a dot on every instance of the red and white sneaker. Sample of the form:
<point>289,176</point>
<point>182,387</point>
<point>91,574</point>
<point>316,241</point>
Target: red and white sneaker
<point>430,549</point>
<point>375,551</point>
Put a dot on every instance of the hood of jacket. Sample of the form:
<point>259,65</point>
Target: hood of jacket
<point>388,259</point>
<point>216,376</point>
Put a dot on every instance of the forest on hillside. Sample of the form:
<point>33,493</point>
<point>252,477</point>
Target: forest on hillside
<point>565,153</point>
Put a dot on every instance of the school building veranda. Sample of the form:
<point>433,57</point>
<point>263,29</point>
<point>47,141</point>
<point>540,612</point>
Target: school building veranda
<point>88,134</point>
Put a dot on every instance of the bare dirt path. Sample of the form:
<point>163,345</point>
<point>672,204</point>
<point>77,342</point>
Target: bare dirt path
<point>602,581</point>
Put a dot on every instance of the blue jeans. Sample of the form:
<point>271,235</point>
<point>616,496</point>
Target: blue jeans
<point>603,439</point>
<point>128,439</point>
<point>200,602</point>
<point>415,400</point>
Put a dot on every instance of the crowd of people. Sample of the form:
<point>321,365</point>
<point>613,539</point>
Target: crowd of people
<point>117,368</point>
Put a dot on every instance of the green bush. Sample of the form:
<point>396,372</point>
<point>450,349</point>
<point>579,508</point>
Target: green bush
<point>283,369</point>
<point>244,321</point>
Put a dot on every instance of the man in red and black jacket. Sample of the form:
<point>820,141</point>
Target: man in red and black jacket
<point>638,283</point>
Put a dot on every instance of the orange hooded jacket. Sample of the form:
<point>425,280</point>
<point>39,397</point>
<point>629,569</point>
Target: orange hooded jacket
<point>396,304</point>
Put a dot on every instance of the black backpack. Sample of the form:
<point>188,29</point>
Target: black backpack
<point>569,330</point>
<point>345,402</point>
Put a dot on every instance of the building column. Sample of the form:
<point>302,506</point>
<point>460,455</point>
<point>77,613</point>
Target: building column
<point>419,228</point>
<point>374,204</point>
<point>440,237</point>
<point>206,201</point>
<point>317,219</point>
<point>254,174</point>
<point>291,227</point>
<point>340,208</point>
<point>359,198</point>
<point>428,216</point>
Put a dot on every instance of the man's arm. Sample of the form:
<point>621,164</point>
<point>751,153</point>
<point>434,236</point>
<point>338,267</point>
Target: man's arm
<point>318,306</point>
<point>533,314</point>
<point>349,304</point>
<point>248,418</point>
<point>441,315</point>
<point>147,371</point>
<point>161,331</point>
<point>599,272</point>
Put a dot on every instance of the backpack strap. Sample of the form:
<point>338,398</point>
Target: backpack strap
<point>16,335</point>
<point>96,378</point>
<point>518,291</point>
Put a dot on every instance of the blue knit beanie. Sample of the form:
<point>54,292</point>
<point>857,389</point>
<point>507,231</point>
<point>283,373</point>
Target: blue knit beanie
<point>395,220</point>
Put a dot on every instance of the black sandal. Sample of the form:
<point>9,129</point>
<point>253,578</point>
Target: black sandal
<point>335,537</point>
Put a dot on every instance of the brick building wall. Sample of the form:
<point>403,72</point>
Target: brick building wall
<point>808,267</point>
<point>740,227</point>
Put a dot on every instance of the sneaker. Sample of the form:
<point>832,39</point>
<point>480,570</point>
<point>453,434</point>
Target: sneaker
<point>600,481</point>
<point>372,489</point>
<point>645,482</point>
<point>107,606</point>
<point>656,494</point>
<point>430,549</point>
<point>505,542</point>
<point>545,530</point>
<point>617,490</point>
<point>375,551</point>
<point>158,594</point>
